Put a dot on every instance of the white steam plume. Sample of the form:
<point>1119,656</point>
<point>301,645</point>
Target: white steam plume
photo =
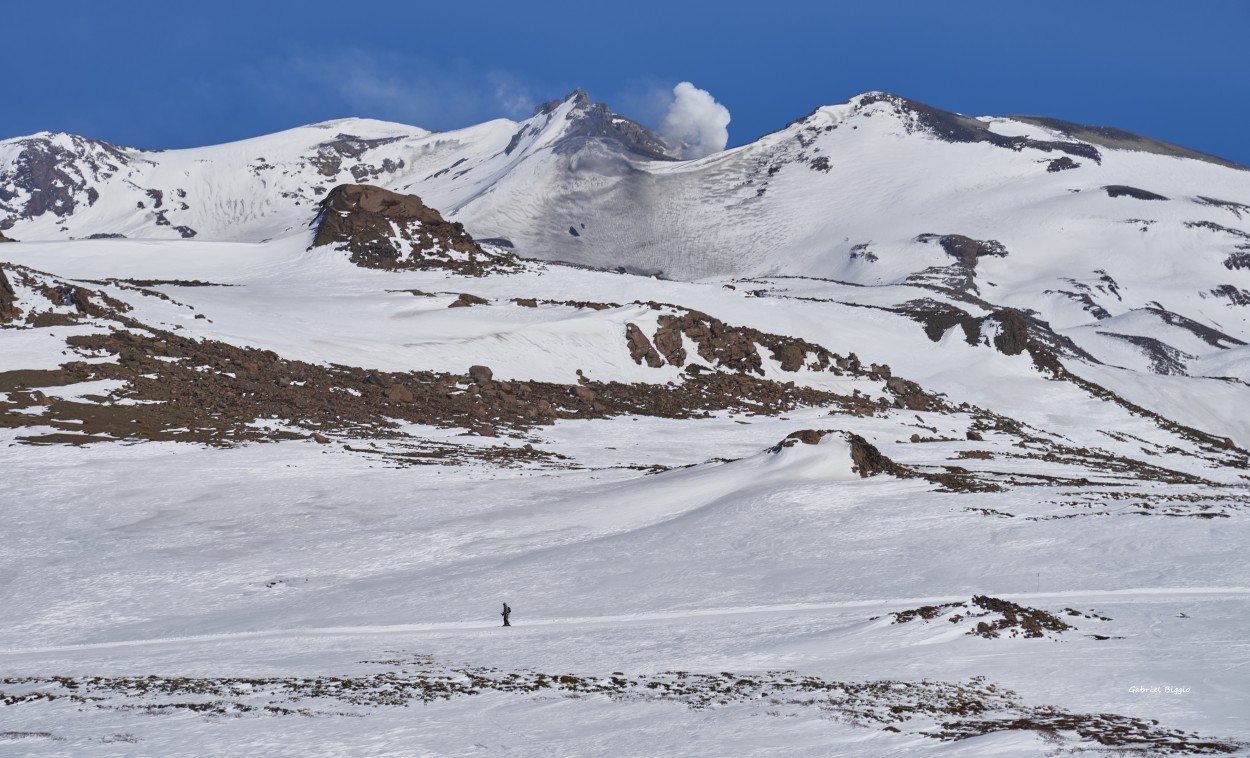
<point>695,125</point>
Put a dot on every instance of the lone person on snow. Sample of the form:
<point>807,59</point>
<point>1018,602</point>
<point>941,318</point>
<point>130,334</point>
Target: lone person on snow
<point>506,613</point>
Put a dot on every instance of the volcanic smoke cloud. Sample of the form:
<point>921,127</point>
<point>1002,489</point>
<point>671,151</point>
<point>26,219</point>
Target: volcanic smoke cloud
<point>695,125</point>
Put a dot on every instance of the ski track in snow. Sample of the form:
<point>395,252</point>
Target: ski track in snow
<point>1166,594</point>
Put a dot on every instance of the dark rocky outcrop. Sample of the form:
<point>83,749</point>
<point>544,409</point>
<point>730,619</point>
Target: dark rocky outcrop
<point>1119,139</point>
<point>1017,332</point>
<point>4,239</point>
<point>329,158</point>
<point>640,348</point>
<point>1235,295</point>
<point>866,459</point>
<point>8,299</point>
<point>1232,207</point>
<point>1013,332</point>
<point>1237,261</point>
<point>387,230</point>
<point>955,127</point>
<point>965,249</point>
<point>1164,359</point>
<point>1123,190</point>
<point>1001,617</point>
<point>1213,337</point>
<point>1062,163</point>
<point>54,174</point>
<point>909,395</point>
<point>729,347</point>
<point>465,300</point>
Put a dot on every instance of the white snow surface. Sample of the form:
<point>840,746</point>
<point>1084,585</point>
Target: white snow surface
<point>295,559</point>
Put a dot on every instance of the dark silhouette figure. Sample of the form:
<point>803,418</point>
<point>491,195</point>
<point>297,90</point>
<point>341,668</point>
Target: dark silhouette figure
<point>506,613</point>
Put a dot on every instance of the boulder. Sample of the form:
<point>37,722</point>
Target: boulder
<point>398,393</point>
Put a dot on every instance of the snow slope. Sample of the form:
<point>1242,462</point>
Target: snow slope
<point>682,584</point>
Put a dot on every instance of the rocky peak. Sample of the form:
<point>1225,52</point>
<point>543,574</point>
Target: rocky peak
<point>578,96</point>
<point>596,121</point>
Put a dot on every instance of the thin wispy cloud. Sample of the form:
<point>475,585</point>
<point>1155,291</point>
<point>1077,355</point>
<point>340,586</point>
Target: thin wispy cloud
<point>397,87</point>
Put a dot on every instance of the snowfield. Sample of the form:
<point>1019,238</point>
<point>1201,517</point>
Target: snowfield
<point>846,480</point>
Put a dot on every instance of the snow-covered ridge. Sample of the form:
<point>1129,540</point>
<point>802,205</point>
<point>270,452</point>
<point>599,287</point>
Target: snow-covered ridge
<point>933,438</point>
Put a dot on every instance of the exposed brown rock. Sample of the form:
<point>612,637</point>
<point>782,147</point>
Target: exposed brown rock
<point>910,395</point>
<point>790,356</point>
<point>668,341</point>
<point>1031,622</point>
<point>5,239</point>
<point>1013,334</point>
<point>736,348</point>
<point>869,461</point>
<point>8,299</point>
<point>966,249</point>
<point>640,347</point>
<point>466,300</point>
<point>808,436</point>
<point>583,393</point>
<point>384,229</point>
<point>398,393</point>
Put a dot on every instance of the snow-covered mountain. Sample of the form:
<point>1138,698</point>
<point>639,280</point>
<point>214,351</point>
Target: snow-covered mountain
<point>1135,251</point>
<point>895,430</point>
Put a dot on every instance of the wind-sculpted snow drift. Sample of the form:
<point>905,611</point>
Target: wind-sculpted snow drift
<point>894,430</point>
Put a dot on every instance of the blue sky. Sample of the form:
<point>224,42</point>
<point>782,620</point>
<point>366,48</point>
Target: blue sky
<point>164,75</point>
